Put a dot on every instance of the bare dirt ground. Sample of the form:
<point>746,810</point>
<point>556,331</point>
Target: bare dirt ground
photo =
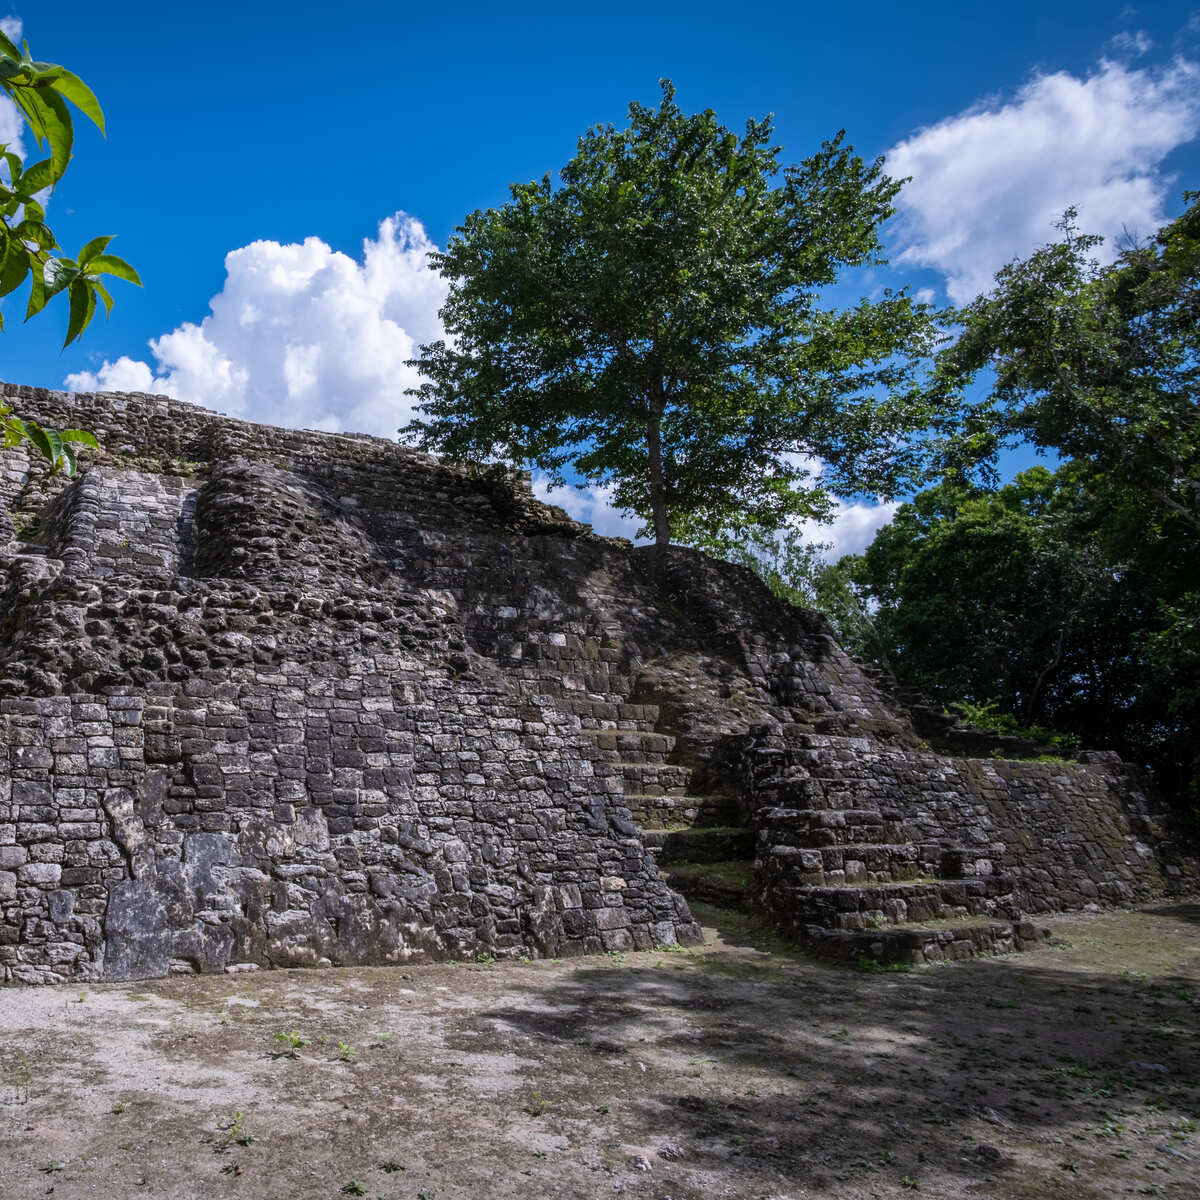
<point>734,1069</point>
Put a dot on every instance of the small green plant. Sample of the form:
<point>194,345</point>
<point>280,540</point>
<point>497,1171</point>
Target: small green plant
<point>907,1181</point>
<point>119,1107</point>
<point>872,966</point>
<point>537,1104</point>
<point>484,959</point>
<point>354,1187</point>
<point>295,1042</point>
<point>22,1076</point>
<point>233,1131</point>
<point>52,1167</point>
<point>346,1052</point>
<point>988,716</point>
<point>391,1166</point>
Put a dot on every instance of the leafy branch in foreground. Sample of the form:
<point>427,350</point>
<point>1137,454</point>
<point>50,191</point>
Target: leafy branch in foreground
<point>43,93</point>
<point>56,446</point>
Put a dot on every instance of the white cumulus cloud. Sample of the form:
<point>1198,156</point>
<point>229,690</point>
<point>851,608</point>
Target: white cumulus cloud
<point>302,335</point>
<point>853,527</point>
<point>591,505</point>
<point>850,532</point>
<point>988,184</point>
<point>1135,43</point>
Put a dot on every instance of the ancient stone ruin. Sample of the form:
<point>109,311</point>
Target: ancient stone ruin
<point>273,698</point>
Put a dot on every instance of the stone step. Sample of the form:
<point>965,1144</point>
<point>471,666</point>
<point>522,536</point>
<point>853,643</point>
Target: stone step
<point>658,812</point>
<point>808,794</point>
<point>600,708</point>
<point>631,742</point>
<point>646,779</point>
<point>725,884</point>
<point>916,944</point>
<point>815,827</point>
<point>861,863</point>
<point>700,844</point>
<point>894,904</point>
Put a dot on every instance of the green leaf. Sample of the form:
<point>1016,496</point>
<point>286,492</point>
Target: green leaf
<point>81,436</point>
<point>14,268</point>
<point>74,89</point>
<point>83,306</point>
<point>37,290</point>
<point>35,212</point>
<point>70,463</point>
<point>55,444</point>
<point>104,295</point>
<point>38,176</point>
<point>93,248</point>
<point>37,436</point>
<point>49,121</point>
<point>7,48</point>
<point>110,264</point>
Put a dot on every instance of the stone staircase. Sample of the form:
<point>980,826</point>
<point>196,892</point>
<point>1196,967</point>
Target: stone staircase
<point>584,670</point>
<point>713,864</point>
<point>854,876</point>
<point>691,833</point>
<point>861,886</point>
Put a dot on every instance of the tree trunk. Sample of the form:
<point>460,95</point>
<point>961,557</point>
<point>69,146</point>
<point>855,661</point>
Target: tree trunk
<point>658,496</point>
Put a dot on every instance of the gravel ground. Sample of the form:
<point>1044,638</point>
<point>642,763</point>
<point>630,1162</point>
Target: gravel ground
<point>737,1069</point>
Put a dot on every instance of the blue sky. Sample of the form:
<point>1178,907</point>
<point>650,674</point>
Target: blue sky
<point>276,175</point>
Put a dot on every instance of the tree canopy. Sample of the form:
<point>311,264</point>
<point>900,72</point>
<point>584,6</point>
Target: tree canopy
<point>1065,599</point>
<point>655,323</point>
<point>1071,598</point>
<point>43,94</point>
<point>1097,363</point>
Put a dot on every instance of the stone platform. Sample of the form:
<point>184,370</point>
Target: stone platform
<point>278,698</point>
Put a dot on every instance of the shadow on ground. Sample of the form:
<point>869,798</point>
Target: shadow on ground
<point>736,1069</point>
<point>861,1074</point>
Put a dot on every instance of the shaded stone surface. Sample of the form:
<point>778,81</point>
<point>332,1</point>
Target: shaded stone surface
<point>279,698</point>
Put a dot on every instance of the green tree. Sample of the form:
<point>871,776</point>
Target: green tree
<point>1065,599</point>
<point>991,596</point>
<point>798,571</point>
<point>654,322</point>
<point>43,93</point>
<point>1098,363</point>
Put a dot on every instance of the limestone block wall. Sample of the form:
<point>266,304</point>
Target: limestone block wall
<point>272,698</point>
<point>1064,834</point>
<point>284,820</point>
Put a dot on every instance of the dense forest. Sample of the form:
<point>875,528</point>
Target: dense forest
<point>1068,600</point>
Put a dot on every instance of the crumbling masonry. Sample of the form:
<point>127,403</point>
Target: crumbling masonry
<point>275,698</point>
